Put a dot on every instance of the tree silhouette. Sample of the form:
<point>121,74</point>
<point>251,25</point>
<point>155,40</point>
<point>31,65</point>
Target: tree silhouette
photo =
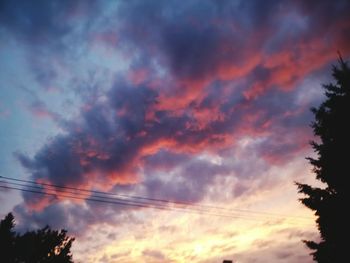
<point>332,167</point>
<point>7,238</point>
<point>41,246</point>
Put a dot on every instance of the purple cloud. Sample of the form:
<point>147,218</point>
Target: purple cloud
<point>217,79</point>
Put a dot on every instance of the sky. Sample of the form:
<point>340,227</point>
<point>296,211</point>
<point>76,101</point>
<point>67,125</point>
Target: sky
<point>204,104</point>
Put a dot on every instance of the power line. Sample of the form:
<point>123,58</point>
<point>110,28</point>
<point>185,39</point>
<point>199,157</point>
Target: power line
<point>130,197</point>
<point>145,201</point>
<point>106,193</point>
<point>152,199</point>
<point>81,196</point>
<point>91,199</point>
<point>123,203</point>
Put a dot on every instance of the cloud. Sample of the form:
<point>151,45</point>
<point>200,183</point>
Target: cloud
<point>283,245</point>
<point>123,139</point>
<point>110,139</point>
<point>195,46</point>
<point>40,110</point>
<point>48,34</point>
<point>42,22</point>
<point>209,98</point>
<point>65,214</point>
<point>226,41</point>
<point>154,255</point>
<point>188,184</point>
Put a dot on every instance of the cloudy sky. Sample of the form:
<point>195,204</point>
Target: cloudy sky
<point>201,104</point>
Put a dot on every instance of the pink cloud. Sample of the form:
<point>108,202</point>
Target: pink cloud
<point>40,110</point>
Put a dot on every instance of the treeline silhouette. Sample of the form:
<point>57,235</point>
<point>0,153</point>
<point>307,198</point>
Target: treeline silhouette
<point>41,246</point>
<point>331,167</point>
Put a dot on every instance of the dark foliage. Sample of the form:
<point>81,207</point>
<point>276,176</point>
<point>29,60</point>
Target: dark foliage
<point>331,167</point>
<point>41,246</point>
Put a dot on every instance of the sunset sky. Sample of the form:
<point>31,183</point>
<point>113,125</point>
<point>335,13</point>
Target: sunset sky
<point>202,102</point>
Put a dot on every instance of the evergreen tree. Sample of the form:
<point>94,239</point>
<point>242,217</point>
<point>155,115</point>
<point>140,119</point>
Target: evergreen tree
<point>41,246</point>
<point>331,167</point>
<point>7,238</point>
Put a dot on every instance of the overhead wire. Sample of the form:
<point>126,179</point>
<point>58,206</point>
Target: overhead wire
<point>52,192</point>
<point>127,203</point>
<point>152,199</point>
<point>143,205</point>
<point>145,202</point>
